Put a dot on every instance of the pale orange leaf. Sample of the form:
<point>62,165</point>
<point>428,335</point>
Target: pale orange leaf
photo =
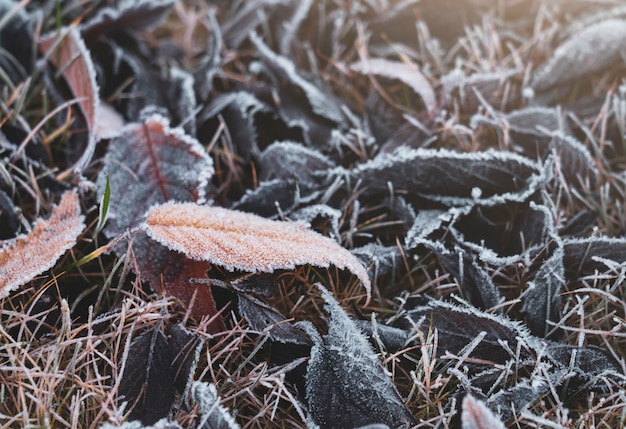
<point>32,254</point>
<point>238,240</point>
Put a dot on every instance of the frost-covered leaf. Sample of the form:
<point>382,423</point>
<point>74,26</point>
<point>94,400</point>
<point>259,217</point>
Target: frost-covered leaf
<point>457,327</point>
<point>262,317</point>
<point>476,415</point>
<point>158,366</point>
<point>321,218</point>
<point>209,64</point>
<point>30,255</point>
<point>529,128</point>
<point>70,56</point>
<point>285,160</point>
<point>456,179</point>
<point>213,414</point>
<point>542,299</point>
<point>243,241</point>
<point>238,110</point>
<point>321,103</point>
<point>141,172</point>
<point>283,18</point>
<point>277,196</point>
<point>382,260</point>
<point>247,19</point>
<point>393,339</point>
<point>139,15</point>
<point>109,122</point>
<point>383,120</point>
<point>472,279</point>
<point>407,73</point>
<point>488,343</point>
<point>346,385</point>
<point>591,50</point>
<point>575,160</point>
<point>589,368</point>
<point>585,255</point>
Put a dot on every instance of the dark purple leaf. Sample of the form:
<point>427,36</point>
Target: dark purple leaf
<point>141,174</point>
<point>585,255</point>
<point>492,88</point>
<point>263,318</point>
<point>276,196</point>
<point>320,102</point>
<point>291,160</point>
<point>346,385</point>
<point>158,366</point>
<point>209,64</point>
<point>542,298</point>
<point>138,15</point>
<point>238,111</point>
<point>407,73</point>
<point>472,279</point>
<point>452,178</point>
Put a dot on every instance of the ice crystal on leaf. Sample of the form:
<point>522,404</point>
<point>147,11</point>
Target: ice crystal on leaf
<point>243,241</point>
<point>31,255</point>
<point>346,385</point>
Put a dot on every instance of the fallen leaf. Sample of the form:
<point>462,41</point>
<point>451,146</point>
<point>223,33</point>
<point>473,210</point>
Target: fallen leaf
<point>346,386</point>
<point>141,174</point>
<point>243,241</point>
<point>71,57</point>
<point>137,15</point>
<point>214,414</point>
<point>158,366</point>
<point>31,255</point>
<point>406,73</point>
<point>455,179</point>
<point>590,50</point>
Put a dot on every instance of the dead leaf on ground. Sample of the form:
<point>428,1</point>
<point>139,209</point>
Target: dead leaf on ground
<point>71,57</point>
<point>238,240</point>
<point>406,73</point>
<point>38,251</point>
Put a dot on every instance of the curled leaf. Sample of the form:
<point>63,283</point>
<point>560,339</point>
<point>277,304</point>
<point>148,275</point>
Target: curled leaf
<point>406,73</point>
<point>455,179</point>
<point>238,240</point>
<point>591,50</point>
<point>70,55</point>
<point>37,252</point>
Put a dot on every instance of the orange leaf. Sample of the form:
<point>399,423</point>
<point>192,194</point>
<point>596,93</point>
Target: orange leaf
<point>31,255</point>
<point>70,55</point>
<point>238,240</point>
